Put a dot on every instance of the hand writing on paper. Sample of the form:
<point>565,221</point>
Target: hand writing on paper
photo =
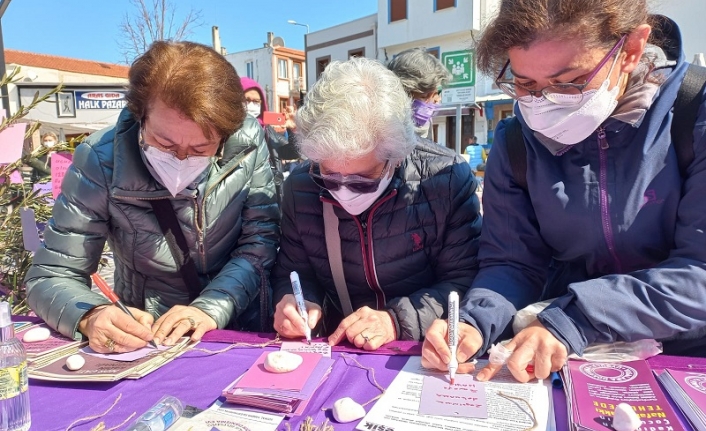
<point>107,322</point>
<point>179,320</point>
<point>288,322</point>
<point>533,345</point>
<point>436,353</point>
<point>366,328</point>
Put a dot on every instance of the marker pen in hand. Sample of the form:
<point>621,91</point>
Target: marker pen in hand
<point>453,334</point>
<point>112,297</point>
<point>301,306</point>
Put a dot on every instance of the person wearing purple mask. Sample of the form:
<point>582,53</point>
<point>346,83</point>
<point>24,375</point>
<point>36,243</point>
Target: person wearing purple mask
<point>422,76</point>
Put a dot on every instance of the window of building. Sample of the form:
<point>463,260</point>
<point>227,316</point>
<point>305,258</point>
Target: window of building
<point>398,10</point>
<point>296,71</point>
<point>358,52</point>
<point>321,64</point>
<point>443,4</point>
<point>282,67</point>
<point>250,70</point>
<point>283,103</point>
<point>434,51</point>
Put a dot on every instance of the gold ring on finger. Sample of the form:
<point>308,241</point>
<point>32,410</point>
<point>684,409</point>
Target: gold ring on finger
<point>110,344</point>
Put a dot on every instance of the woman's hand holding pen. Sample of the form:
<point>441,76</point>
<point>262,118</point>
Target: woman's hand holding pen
<point>288,322</point>
<point>436,353</point>
<point>109,329</point>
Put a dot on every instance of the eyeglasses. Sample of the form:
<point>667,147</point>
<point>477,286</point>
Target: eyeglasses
<point>355,183</point>
<point>554,92</point>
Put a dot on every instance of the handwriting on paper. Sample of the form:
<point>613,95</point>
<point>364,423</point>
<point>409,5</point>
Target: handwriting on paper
<point>60,163</point>
<point>464,399</point>
<point>323,349</point>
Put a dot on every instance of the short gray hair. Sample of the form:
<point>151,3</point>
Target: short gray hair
<point>419,71</point>
<point>357,107</point>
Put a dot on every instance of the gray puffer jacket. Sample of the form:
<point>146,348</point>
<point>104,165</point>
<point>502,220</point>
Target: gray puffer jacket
<point>231,228</point>
<point>416,243</point>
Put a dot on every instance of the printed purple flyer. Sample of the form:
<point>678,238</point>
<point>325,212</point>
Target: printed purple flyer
<point>599,386</point>
<point>693,384</point>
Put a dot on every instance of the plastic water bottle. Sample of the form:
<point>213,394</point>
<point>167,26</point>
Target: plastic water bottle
<point>14,385</point>
<point>161,416</point>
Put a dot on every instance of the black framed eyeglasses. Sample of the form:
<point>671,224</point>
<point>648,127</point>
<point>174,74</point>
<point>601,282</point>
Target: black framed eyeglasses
<point>355,183</point>
<point>561,94</point>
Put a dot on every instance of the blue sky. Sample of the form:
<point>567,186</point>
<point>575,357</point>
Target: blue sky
<point>89,29</point>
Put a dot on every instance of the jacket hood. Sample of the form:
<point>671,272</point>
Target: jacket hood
<point>250,84</point>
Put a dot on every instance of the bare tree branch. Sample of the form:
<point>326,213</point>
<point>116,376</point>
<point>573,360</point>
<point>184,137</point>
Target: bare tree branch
<point>153,20</point>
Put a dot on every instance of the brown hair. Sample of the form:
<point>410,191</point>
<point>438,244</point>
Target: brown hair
<point>192,79</point>
<point>519,23</point>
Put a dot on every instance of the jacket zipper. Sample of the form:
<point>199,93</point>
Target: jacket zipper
<point>366,236</point>
<point>604,204</point>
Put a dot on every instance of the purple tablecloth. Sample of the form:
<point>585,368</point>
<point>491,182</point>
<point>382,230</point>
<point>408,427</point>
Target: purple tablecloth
<point>197,378</point>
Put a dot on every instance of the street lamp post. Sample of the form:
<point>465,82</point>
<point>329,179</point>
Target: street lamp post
<point>291,21</point>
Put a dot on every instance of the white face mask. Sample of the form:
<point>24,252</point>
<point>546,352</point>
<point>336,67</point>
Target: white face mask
<point>355,202</point>
<point>49,144</point>
<point>253,109</point>
<point>175,174</point>
<point>570,124</point>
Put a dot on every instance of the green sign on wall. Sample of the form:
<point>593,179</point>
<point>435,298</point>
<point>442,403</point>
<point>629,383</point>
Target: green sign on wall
<point>460,64</point>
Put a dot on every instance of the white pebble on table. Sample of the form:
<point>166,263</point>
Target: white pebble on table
<point>75,362</point>
<point>36,334</point>
<point>282,362</point>
<point>346,410</point>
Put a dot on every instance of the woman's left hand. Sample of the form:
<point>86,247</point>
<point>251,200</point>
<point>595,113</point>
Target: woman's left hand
<point>535,346</point>
<point>179,320</point>
<point>366,328</point>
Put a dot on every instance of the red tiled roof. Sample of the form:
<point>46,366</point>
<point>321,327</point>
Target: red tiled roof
<point>66,64</point>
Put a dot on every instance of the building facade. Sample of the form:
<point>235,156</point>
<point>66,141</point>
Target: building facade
<point>92,96</point>
<point>281,71</point>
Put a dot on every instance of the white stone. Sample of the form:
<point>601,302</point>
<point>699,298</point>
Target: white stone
<point>36,334</point>
<point>346,410</point>
<point>625,418</point>
<point>75,362</point>
<point>282,362</point>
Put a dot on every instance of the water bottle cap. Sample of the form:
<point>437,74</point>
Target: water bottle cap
<point>5,314</point>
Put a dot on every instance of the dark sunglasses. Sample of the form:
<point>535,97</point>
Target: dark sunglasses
<point>355,183</point>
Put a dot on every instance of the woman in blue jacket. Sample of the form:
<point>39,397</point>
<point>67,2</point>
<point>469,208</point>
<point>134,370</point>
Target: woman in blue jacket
<point>607,228</point>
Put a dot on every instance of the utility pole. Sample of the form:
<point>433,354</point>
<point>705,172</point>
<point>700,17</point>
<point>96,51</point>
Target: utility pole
<point>3,69</point>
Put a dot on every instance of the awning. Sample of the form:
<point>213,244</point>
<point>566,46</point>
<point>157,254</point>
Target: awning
<point>450,110</point>
<point>68,129</point>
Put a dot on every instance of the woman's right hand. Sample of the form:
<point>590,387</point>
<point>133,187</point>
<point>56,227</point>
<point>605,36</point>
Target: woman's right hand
<point>110,330</point>
<point>436,353</point>
<point>288,322</point>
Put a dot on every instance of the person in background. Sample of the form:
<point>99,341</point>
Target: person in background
<point>475,154</point>
<point>187,144</point>
<point>422,76</point>
<point>406,213</point>
<point>281,141</point>
<point>41,166</point>
<point>610,228</point>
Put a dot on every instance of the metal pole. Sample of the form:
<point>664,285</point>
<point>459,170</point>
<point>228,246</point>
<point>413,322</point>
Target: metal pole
<point>459,126</point>
<point>3,69</point>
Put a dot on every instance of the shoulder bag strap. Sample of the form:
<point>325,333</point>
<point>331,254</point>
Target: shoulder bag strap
<point>516,151</point>
<point>333,247</point>
<point>174,236</point>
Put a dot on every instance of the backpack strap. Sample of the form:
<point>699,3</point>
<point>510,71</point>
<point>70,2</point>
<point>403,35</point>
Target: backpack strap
<point>686,109</point>
<point>516,151</point>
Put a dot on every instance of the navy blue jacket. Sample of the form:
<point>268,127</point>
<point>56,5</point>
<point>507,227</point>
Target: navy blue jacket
<point>608,227</point>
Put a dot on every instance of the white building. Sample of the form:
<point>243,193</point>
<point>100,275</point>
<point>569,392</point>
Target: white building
<point>443,27</point>
<point>92,97</point>
<point>279,70</point>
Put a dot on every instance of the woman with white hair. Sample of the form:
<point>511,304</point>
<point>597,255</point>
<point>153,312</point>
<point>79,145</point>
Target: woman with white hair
<point>422,76</point>
<point>401,215</point>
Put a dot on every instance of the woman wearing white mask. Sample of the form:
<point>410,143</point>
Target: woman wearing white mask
<point>184,159</point>
<point>406,213</point>
<point>606,221</point>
